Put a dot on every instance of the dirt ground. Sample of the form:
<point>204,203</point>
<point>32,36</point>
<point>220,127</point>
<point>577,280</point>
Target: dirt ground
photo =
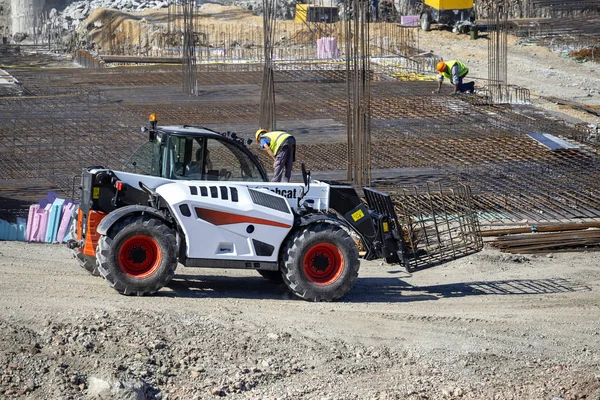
<point>487,326</point>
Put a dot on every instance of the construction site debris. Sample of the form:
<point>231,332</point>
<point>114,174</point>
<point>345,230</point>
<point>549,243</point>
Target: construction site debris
<point>591,53</point>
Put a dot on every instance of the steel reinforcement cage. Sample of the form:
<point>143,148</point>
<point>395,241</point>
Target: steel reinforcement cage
<point>439,224</point>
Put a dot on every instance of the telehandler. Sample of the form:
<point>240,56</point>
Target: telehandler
<point>201,198</point>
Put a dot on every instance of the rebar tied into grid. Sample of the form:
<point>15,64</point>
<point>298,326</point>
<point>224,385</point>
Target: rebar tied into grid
<point>67,119</point>
<point>267,119</point>
<point>497,51</point>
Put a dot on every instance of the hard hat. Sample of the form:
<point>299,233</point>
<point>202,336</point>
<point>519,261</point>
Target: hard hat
<point>260,132</point>
<point>441,66</point>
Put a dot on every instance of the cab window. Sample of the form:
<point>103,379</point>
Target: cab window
<point>227,162</point>
<point>193,158</point>
<point>145,160</point>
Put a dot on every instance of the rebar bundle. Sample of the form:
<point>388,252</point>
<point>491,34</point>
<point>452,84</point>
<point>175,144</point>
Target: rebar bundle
<point>497,51</point>
<point>189,48</point>
<point>267,97</point>
<point>358,92</point>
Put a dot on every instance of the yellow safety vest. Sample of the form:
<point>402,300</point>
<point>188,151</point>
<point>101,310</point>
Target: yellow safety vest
<point>276,138</point>
<point>462,69</point>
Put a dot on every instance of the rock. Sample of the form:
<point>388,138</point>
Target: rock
<point>30,386</point>
<point>99,388</point>
<point>19,37</point>
<point>78,15</point>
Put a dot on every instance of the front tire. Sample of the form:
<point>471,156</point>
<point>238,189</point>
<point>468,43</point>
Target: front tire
<point>425,22</point>
<point>138,255</point>
<point>320,262</point>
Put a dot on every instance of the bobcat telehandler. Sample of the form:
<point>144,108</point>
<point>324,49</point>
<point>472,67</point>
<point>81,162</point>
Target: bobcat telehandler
<point>201,198</point>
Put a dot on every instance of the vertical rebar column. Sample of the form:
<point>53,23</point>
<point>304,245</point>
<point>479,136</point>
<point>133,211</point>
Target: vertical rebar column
<point>497,50</point>
<point>267,97</point>
<point>111,32</point>
<point>358,95</point>
<point>189,49</point>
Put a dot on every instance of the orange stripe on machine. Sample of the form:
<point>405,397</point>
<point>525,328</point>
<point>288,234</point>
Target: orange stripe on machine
<point>224,218</point>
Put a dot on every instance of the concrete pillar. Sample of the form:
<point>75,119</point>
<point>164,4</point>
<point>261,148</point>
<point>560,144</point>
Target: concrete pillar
<point>23,13</point>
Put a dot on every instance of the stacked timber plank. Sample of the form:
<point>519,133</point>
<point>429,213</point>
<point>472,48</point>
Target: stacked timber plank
<point>544,239</point>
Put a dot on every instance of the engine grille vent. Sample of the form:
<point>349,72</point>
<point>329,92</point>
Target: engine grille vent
<point>269,201</point>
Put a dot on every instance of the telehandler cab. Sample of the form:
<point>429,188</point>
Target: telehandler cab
<point>197,197</point>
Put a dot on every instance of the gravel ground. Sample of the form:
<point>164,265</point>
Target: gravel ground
<point>487,326</point>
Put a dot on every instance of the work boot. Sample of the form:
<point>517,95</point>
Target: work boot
<point>469,87</point>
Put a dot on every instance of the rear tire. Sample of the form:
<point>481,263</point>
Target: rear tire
<point>138,255</point>
<point>320,262</point>
<point>86,262</point>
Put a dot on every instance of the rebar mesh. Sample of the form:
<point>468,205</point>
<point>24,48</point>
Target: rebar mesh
<point>69,118</point>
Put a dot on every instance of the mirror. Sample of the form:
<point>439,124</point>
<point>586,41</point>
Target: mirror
<point>304,174</point>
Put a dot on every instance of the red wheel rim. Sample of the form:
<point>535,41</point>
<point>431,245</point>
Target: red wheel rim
<point>323,264</point>
<point>139,256</point>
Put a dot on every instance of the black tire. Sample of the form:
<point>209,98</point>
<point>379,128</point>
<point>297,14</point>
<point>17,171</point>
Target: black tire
<point>273,276</point>
<point>336,266</point>
<point>425,22</point>
<point>138,255</point>
<point>86,262</point>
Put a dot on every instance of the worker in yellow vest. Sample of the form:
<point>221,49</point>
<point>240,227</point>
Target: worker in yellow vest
<point>455,71</point>
<point>281,146</point>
